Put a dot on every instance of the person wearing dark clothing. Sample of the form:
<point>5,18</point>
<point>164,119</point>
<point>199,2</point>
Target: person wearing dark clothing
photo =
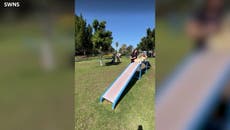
<point>205,22</point>
<point>134,55</point>
<point>147,63</point>
<point>113,58</point>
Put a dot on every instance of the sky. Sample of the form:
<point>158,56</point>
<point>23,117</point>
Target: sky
<point>127,19</point>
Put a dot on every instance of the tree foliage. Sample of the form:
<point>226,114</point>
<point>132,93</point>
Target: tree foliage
<point>90,39</point>
<point>83,35</point>
<point>126,50</point>
<point>117,45</point>
<point>147,42</point>
<point>102,38</point>
<point>129,49</point>
<point>123,50</point>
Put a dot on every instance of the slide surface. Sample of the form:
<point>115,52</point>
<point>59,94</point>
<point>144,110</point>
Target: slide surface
<point>113,93</point>
<point>186,99</point>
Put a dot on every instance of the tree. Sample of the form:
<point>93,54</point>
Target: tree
<point>95,24</point>
<point>102,38</point>
<point>92,39</point>
<point>123,50</point>
<point>87,44</point>
<point>79,33</point>
<point>117,44</point>
<point>83,36</point>
<point>129,49</point>
<point>148,42</point>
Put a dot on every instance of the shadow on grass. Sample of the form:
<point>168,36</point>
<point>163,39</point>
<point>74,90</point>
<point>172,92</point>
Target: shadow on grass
<point>140,127</point>
<point>111,63</point>
<point>131,84</point>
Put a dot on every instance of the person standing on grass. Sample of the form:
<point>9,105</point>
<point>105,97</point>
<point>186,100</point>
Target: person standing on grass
<point>118,56</point>
<point>134,55</point>
<point>147,63</point>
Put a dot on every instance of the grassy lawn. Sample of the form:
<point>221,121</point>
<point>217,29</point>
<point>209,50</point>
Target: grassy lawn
<point>31,98</point>
<point>172,46</point>
<point>136,107</point>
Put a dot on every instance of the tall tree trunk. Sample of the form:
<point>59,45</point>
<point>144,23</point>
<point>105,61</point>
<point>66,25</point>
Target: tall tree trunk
<point>84,52</point>
<point>101,60</point>
<point>47,54</point>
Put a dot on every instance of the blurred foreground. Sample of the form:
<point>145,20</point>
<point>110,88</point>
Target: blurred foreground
<point>196,95</point>
<point>37,78</point>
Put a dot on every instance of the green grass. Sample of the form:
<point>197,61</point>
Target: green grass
<point>136,107</point>
<point>30,97</point>
<point>172,46</point>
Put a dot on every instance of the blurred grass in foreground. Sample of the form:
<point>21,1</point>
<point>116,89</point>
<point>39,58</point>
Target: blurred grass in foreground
<point>36,91</point>
<point>172,47</point>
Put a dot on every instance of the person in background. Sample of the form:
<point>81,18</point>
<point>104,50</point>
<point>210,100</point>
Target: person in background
<point>147,64</point>
<point>205,22</point>
<point>113,58</point>
<point>134,55</point>
<point>118,56</point>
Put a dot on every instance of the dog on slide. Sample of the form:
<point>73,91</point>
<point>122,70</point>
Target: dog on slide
<point>220,41</point>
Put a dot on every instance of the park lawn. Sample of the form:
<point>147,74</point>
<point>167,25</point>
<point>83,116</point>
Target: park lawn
<point>172,46</point>
<point>30,97</point>
<point>135,109</point>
